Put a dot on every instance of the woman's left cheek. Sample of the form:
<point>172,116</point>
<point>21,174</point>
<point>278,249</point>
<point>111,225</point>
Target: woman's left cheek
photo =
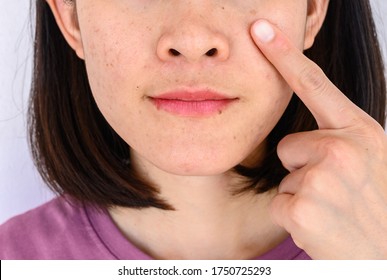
<point>292,23</point>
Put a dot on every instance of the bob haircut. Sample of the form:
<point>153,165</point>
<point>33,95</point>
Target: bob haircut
<point>77,152</point>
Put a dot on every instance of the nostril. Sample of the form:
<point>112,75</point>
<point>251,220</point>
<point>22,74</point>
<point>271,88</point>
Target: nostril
<point>212,52</point>
<point>174,52</point>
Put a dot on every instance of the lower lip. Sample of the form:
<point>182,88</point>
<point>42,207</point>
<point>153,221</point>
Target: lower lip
<point>192,108</point>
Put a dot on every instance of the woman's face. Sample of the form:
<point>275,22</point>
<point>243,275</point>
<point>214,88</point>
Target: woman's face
<point>182,81</point>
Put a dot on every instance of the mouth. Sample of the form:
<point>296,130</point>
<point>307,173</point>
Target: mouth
<point>201,103</point>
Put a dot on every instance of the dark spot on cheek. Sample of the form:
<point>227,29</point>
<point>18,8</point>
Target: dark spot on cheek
<point>253,12</point>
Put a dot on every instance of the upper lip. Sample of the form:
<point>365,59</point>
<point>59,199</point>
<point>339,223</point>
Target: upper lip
<point>193,95</point>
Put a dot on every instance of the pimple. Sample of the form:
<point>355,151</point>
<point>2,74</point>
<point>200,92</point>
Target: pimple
<point>253,12</point>
<point>269,76</point>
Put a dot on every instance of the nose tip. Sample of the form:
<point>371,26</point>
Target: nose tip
<point>193,47</point>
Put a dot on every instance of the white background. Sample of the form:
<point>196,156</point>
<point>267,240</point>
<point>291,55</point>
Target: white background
<point>20,186</point>
<point>101,270</point>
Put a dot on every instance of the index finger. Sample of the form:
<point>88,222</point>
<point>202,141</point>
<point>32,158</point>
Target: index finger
<point>330,107</point>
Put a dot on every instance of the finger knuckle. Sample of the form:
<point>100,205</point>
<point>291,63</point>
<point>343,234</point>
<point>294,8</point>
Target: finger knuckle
<point>298,212</point>
<point>372,138</point>
<point>310,180</point>
<point>335,149</point>
<point>282,148</point>
<point>375,133</point>
<point>311,78</point>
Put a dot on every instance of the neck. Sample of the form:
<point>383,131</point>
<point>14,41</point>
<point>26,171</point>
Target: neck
<point>209,221</point>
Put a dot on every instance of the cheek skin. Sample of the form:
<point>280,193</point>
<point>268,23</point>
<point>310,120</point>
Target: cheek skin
<point>123,67</point>
<point>109,80</point>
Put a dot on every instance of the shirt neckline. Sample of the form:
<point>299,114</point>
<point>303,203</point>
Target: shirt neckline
<point>122,249</point>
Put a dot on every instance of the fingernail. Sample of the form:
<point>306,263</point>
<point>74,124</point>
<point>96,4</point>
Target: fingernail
<point>263,30</point>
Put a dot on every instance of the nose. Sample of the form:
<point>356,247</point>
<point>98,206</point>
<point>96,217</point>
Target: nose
<point>193,42</point>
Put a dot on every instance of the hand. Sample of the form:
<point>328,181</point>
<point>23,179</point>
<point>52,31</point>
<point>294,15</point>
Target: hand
<point>334,201</point>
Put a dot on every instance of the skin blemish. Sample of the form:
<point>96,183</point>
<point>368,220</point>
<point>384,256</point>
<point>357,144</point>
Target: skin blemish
<point>253,12</point>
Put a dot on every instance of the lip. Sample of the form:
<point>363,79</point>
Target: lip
<point>199,103</point>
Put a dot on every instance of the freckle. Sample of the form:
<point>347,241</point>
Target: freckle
<point>220,112</point>
<point>253,12</point>
<point>222,8</point>
<point>234,137</point>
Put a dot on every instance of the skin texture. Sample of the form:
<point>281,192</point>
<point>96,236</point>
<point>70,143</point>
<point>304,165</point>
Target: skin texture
<point>126,46</point>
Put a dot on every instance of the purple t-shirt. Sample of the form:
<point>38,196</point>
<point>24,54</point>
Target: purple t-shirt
<point>61,229</point>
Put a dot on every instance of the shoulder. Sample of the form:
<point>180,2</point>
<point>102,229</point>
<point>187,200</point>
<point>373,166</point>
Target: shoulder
<point>46,232</point>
